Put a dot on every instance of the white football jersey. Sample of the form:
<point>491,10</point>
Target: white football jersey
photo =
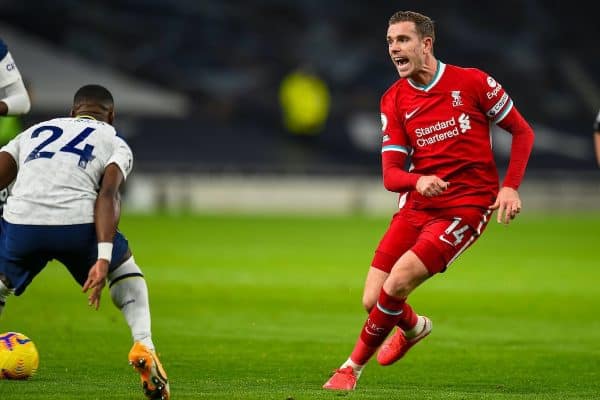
<point>60,165</point>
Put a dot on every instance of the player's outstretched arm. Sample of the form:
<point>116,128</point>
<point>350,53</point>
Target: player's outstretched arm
<point>107,212</point>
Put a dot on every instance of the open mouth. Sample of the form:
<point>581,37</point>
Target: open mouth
<point>400,61</point>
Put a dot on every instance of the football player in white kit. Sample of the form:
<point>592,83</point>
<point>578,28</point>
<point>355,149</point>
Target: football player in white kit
<point>14,99</point>
<point>65,205</point>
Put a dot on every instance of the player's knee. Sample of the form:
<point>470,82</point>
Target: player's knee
<point>369,301</point>
<point>398,285</point>
<point>127,269</point>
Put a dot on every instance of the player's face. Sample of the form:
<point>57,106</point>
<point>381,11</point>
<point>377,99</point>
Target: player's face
<point>405,48</point>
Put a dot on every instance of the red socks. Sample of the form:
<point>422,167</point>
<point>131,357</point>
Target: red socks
<point>408,318</point>
<point>383,317</point>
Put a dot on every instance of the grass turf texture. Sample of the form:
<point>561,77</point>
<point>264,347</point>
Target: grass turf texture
<point>265,307</point>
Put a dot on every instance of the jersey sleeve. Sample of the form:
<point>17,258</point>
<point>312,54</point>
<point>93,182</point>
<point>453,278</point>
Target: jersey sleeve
<point>122,156</point>
<point>494,101</point>
<point>394,137</point>
<point>597,123</point>
<point>499,108</point>
<point>395,149</point>
<point>8,70</point>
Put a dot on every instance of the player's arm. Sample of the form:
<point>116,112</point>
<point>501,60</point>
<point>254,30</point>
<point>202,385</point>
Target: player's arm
<point>15,100</point>
<point>8,169</point>
<point>395,150</point>
<point>499,109</point>
<point>508,202</point>
<point>107,212</point>
<point>397,179</point>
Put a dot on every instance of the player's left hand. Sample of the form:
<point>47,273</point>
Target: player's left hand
<point>508,205</point>
<point>96,281</point>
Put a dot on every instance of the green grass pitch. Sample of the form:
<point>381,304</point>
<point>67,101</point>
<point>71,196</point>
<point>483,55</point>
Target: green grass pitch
<point>251,307</point>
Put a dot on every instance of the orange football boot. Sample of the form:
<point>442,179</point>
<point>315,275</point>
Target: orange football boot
<point>152,374</point>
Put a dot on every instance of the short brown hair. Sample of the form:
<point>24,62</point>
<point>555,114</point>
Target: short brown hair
<point>424,25</point>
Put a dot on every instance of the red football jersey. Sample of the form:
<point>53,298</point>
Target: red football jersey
<point>445,128</point>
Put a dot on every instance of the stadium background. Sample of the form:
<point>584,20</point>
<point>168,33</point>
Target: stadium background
<point>253,306</point>
<point>197,90</point>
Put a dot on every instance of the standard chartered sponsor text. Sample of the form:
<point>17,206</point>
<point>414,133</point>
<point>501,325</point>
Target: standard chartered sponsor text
<point>433,132</point>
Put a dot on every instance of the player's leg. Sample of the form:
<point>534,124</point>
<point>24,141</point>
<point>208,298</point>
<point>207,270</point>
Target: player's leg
<point>383,309</point>
<point>346,376</point>
<point>442,240</point>
<point>129,293</point>
<point>373,285</point>
<point>389,251</point>
<point>19,263</point>
<point>408,273</point>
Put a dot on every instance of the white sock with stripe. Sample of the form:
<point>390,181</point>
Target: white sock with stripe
<point>129,294</point>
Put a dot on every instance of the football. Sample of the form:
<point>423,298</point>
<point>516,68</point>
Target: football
<point>19,357</point>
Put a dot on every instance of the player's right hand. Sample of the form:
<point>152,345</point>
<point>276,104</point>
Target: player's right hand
<point>96,281</point>
<point>431,185</point>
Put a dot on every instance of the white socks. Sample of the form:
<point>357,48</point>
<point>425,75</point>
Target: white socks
<point>129,293</point>
<point>411,333</point>
<point>356,367</point>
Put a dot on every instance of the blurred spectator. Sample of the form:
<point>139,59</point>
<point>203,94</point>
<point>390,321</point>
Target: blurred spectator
<point>304,98</point>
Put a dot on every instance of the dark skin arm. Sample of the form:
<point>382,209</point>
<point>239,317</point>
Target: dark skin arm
<point>3,108</point>
<point>8,169</point>
<point>107,212</point>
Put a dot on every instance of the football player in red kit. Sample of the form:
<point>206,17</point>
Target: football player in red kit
<point>439,115</point>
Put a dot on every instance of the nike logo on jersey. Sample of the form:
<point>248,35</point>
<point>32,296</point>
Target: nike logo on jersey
<point>410,114</point>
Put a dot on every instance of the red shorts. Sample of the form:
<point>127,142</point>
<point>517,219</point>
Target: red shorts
<point>437,237</point>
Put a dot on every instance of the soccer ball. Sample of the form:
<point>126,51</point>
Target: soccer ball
<point>19,357</point>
